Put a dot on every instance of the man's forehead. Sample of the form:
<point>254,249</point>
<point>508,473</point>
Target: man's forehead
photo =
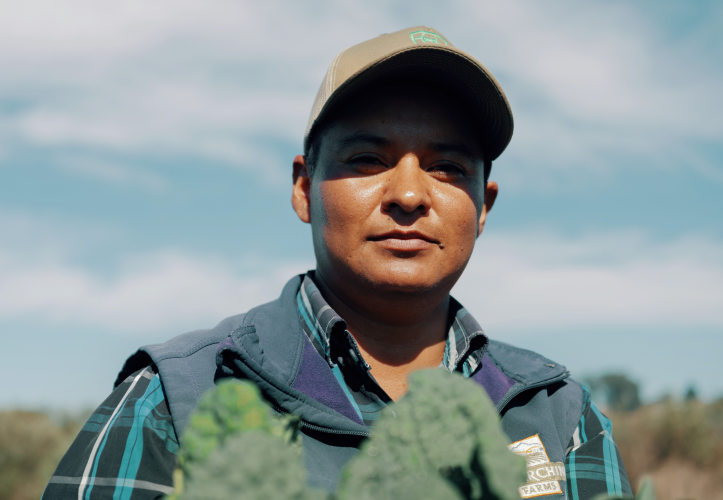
<point>383,114</point>
<point>365,139</point>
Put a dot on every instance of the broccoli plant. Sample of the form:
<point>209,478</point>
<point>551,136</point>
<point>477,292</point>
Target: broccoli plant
<point>235,447</point>
<point>254,465</point>
<point>443,440</point>
<point>232,408</point>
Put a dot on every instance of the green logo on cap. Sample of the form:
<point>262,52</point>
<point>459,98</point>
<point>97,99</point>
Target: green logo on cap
<point>427,37</point>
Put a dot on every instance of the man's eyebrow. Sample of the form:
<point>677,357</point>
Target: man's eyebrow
<point>367,139</point>
<point>362,138</point>
<point>454,148</point>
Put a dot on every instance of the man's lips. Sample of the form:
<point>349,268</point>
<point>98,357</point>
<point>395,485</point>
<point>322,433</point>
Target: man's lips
<point>404,241</point>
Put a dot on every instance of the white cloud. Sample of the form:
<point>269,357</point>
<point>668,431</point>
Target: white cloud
<point>154,292</point>
<point>213,80</point>
<point>115,173</point>
<point>34,239</point>
<point>609,63</point>
<point>546,281</point>
<point>600,82</point>
<point>65,273</point>
<point>514,281</point>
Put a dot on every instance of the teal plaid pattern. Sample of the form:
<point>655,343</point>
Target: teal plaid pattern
<point>593,464</point>
<point>326,330</point>
<point>126,450</point>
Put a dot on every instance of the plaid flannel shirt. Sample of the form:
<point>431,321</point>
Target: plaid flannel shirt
<point>127,449</point>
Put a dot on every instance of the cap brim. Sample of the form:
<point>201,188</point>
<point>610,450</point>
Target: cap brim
<point>450,69</point>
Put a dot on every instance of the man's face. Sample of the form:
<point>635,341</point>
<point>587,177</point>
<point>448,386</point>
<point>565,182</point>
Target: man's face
<point>396,198</point>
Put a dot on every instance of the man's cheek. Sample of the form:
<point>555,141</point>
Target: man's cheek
<point>347,202</point>
<point>316,201</point>
<point>458,207</point>
<point>367,193</point>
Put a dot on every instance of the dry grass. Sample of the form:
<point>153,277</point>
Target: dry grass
<point>31,445</point>
<point>680,445</point>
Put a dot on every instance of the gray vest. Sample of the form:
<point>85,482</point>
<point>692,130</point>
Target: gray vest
<point>267,345</point>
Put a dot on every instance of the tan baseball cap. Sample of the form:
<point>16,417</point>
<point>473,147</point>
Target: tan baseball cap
<point>418,54</point>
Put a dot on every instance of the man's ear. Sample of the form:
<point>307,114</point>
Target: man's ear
<point>300,194</point>
<point>491,191</point>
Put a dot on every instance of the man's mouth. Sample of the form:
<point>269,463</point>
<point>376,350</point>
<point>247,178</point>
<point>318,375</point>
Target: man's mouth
<point>404,241</point>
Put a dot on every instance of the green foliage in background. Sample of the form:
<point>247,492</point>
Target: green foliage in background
<point>442,440</point>
<point>616,389</point>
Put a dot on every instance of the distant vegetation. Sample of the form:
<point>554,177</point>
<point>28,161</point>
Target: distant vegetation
<point>679,443</point>
<point>31,445</point>
<point>615,390</point>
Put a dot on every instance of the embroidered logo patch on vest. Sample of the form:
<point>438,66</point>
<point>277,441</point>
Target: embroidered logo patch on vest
<point>427,37</point>
<point>542,475</point>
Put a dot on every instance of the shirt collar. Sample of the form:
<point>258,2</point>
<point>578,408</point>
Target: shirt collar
<point>466,341</point>
<point>321,319</point>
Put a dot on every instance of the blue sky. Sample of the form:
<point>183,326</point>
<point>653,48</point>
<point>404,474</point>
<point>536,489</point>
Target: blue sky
<point>145,163</point>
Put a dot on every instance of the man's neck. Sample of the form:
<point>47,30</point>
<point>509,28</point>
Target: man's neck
<point>396,335</point>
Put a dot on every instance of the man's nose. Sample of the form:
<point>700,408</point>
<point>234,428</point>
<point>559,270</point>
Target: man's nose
<point>407,188</point>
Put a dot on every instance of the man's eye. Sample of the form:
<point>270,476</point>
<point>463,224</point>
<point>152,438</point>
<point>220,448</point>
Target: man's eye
<point>367,162</point>
<point>447,170</point>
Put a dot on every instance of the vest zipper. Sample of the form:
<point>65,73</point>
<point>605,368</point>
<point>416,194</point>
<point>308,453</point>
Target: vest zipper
<point>325,429</point>
<point>332,431</point>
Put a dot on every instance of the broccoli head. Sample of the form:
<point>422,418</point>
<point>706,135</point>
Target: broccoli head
<point>443,435</point>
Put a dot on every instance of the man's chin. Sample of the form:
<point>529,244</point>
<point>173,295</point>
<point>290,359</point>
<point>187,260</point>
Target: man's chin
<point>405,281</point>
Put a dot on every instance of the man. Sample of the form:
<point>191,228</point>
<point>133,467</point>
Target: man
<point>394,183</point>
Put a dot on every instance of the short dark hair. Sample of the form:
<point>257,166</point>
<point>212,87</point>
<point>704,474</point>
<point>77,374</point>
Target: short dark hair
<point>313,144</point>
